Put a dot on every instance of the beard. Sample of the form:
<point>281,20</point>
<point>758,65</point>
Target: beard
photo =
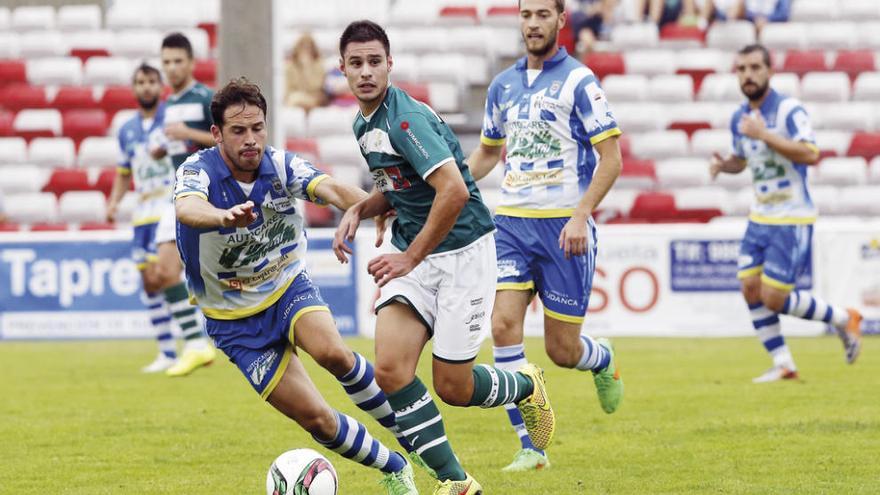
<point>543,50</point>
<point>148,104</point>
<point>758,93</point>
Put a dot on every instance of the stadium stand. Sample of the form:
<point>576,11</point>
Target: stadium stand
<point>65,75</point>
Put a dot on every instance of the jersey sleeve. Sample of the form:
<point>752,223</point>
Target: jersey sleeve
<point>303,178</point>
<point>797,124</point>
<point>736,144</point>
<point>493,119</point>
<point>124,165</point>
<point>594,111</point>
<point>192,180</point>
<point>420,144</point>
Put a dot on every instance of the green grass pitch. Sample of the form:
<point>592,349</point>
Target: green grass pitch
<point>78,418</point>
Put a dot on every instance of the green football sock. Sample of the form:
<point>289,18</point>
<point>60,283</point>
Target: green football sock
<point>184,313</point>
<point>495,387</point>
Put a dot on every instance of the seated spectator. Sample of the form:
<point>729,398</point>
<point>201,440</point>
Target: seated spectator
<point>662,12</point>
<point>760,12</point>
<point>719,10</point>
<point>305,75</point>
<point>591,20</point>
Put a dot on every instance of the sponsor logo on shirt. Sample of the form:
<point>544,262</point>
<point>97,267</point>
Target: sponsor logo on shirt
<point>390,179</point>
<point>415,140</point>
<point>515,179</point>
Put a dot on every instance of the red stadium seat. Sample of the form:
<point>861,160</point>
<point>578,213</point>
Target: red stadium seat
<point>74,98</point>
<point>9,227</point>
<point>86,53</point>
<point>864,144</point>
<point>697,75</point>
<point>678,32</point>
<point>603,64</point>
<point>854,62</point>
<point>104,182</point>
<point>654,207</point>
<point>802,61</point>
<point>17,97</point>
<point>638,174</point>
<point>696,215</point>
<point>416,90</point>
<point>80,124</point>
<point>97,226</point>
<point>117,98</point>
<point>6,124</point>
<point>211,29</point>
<point>12,72</point>
<point>67,179</point>
<point>689,127</point>
<point>206,72</point>
<point>625,146</point>
<point>48,227</point>
<point>308,147</point>
<point>460,13</point>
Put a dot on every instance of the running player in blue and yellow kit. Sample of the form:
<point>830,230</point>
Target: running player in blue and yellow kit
<point>153,181</point>
<point>773,138</point>
<point>440,281</point>
<point>243,246</point>
<point>562,158</point>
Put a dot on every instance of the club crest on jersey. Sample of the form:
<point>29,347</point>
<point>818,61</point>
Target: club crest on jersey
<point>554,87</point>
<point>276,185</point>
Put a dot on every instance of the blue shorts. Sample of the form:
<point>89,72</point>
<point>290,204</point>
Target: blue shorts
<point>143,247</point>
<point>779,253</point>
<point>529,258</point>
<point>260,345</point>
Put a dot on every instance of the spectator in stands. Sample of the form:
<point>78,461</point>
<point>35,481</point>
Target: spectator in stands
<point>662,12</point>
<point>591,20</point>
<point>760,12</point>
<point>306,75</point>
<point>719,10</point>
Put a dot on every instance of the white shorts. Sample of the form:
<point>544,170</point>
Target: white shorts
<point>453,294</point>
<point>166,231</point>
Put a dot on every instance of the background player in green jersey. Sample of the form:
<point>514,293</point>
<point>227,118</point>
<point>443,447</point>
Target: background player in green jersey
<point>440,283</point>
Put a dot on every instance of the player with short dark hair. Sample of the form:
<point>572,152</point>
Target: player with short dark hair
<point>439,282</point>
<point>562,158</point>
<point>243,244</point>
<point>772,137</point>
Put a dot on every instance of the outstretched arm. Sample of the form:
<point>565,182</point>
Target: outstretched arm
<point>199,213</point>
<point>483,160</point>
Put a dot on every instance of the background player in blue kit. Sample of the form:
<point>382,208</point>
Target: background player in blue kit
<point>562,158</point>
<point>772,137</point>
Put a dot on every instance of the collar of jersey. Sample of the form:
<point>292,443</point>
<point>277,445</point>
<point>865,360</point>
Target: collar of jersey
<point>266,167</point>
<point>561,54</point>
<point>767,105</point>
<point>177,96</point>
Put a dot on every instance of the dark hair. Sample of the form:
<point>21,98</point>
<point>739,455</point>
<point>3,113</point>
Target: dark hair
<point>236,92</point>
<point>363,31</point>
<point>560,5</point>
<point>178,40</point>
<point>756,47</point>
<point>146,69</point>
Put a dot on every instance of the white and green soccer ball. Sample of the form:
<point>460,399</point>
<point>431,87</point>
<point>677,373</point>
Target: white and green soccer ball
<point>301,472</point>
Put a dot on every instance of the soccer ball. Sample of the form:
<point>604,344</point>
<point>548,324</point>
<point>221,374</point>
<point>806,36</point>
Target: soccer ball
<point>301,472</point>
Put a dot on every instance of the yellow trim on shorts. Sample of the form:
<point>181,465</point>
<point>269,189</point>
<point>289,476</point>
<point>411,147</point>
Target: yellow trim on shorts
<point>782,220</point>
<point>530,285</point>
<point>749,272</point>
<point>602,136</point>
<point>142,266</point>
<point>561,317</point>
<point>298,315</point>
<point>123,171</point>
<point>145,221</point>
<point>282,367</point>
<point>150,259</point>
<point>813,147</point>
<point>490,141</point>
<point>191,193</point>
<point>237,314</point>
<point>511,211</point>
<point>776,284</point>
<point>310,190</point>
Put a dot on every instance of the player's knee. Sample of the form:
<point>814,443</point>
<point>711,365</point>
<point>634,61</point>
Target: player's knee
<point>320,422</point>
<point>561,355</point>
<point>451,392</point>
<point>390,376</point>
<point>152,284</point>
<point>773,301</point>
<point>337,359</point>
